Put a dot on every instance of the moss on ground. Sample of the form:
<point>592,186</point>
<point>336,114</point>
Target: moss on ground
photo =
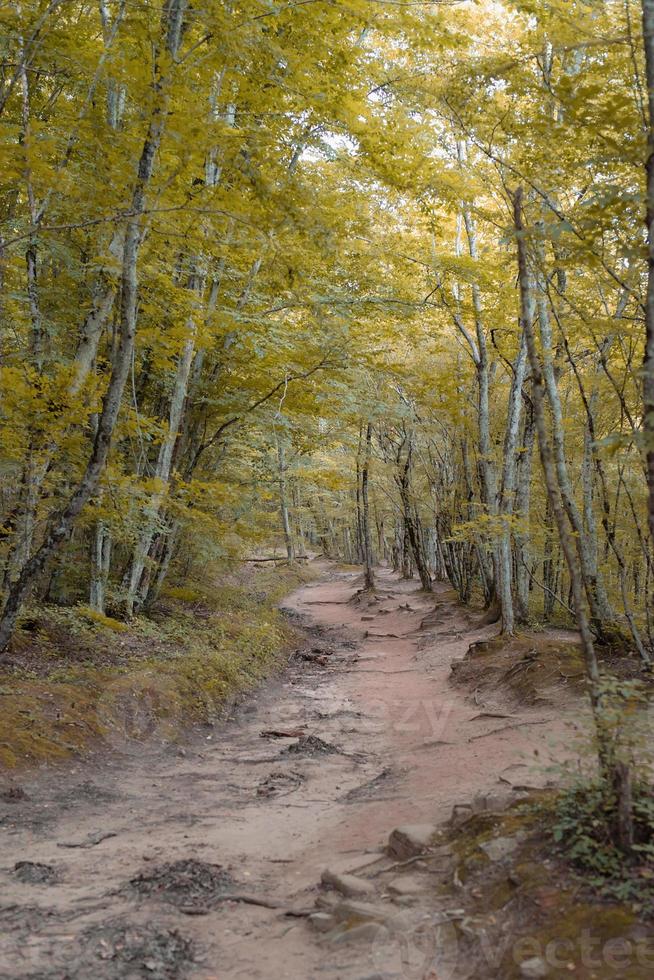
<point>202,647</point>
<point>532,904</point>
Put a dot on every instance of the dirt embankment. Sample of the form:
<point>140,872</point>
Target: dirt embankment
<point>73,678</point>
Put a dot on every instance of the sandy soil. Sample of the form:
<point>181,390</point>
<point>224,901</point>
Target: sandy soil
<point>410,747</point>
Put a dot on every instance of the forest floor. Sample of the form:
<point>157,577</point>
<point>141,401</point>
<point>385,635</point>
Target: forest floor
<point>160,859</point>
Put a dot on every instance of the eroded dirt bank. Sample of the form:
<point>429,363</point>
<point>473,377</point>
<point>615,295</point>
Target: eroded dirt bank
<point>403,746</point>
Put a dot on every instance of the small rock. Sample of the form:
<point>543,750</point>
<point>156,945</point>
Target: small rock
<point>410,840</point>
<point>348,885</point>
<point>407,885</point>
<point>34,873</point>
<point>327,901</point>
<point>499,847</point>
<point>350,911</point>
<point>367,930</point>
<point>322,921</point>
<point>460,813</point>
<point>534,968</point>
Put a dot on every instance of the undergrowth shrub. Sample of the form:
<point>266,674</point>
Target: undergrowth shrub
<point>605,826</point>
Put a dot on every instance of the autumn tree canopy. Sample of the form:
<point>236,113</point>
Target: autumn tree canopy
<point>359,277</point>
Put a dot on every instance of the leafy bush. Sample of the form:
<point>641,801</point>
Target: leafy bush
<point>588,814</point>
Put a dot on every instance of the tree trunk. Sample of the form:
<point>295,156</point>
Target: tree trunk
<point>549,466</point>
<point>600,610</point>
<point>522,505</point>
<point>369,575</point>
<point>507,495</point>
<point>411,521</point>
<point>100,565</point>
<point>283,500</point>
<point>162,471</point>
<point>648,364</point>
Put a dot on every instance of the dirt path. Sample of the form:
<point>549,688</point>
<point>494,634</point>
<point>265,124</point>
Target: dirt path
<point>408,750</point>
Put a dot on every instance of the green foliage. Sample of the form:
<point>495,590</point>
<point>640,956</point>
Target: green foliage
<point>584,818</point>
<point>582,823</point>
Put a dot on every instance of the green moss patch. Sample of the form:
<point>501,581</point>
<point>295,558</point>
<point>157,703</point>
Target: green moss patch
<point>75,676</point>
<point>533,905</point>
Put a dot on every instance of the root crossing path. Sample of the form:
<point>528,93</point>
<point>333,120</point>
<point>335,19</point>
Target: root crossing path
<point>167,862</point>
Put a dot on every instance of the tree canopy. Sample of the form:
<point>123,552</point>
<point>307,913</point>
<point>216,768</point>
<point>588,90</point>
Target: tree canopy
<point>369,278</point>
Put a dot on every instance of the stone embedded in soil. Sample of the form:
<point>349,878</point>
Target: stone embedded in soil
<point>367,931</point>
<point>460,813</point>
<point>328,900</point>
<point>410,840</point>
<point>499,847</point>
<point>322,921</point>
<point>492,802</point>
<point>352,911</point>
<point>407,885</point>
<point>348,885</point>
<point>34,873</point>
<point>534,968</point>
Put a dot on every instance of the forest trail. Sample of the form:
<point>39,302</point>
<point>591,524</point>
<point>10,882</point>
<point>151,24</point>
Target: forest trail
<point>274,818</point>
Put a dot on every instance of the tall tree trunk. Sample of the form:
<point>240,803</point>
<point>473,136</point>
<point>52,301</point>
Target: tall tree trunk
<point>369,574</point>
<point>507,495</point>
<point>550,472</point>
<point>522,505</point>
<point>411,521</point>
<point>162,471</point>
<point>283,499</point>
<point>600,610</point>
<point>648,365</point>
<point>100,565</point>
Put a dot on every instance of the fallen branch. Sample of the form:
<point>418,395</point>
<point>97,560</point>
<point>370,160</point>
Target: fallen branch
<point>91,840</point>
<point>246,899</point>
<point>506,728</point>
<point>281,558</point>
<point>407,863</point>
<point>489,714</point>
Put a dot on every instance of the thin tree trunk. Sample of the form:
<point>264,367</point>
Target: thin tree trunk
<point>162,471</point>
<point>522,505</point>
<point>549,466</point>
<point>600,610</point>
<point>507,496</point>
<point>100,565</point>
<point>283,499</point>
<point>369,574</point>
<point>648,364</point>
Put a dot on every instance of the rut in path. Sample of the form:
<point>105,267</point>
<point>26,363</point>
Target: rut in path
<point>363,732</point>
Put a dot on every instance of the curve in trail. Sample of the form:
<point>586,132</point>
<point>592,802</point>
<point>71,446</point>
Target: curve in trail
<point>392,742</point>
